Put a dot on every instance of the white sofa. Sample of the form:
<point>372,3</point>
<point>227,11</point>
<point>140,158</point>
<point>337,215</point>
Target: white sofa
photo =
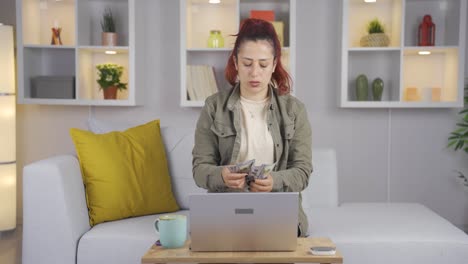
<point>56,228</point>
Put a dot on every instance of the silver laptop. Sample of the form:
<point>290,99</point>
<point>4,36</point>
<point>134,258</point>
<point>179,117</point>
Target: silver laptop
<point>244,221</point>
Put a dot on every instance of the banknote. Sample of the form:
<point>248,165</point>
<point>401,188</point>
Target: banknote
<point>253,171</point>
<point>243,167</point>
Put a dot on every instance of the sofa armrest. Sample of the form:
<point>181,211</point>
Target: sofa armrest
<point>55,214</point>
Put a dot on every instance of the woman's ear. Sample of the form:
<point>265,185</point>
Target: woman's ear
<point>274,64</point>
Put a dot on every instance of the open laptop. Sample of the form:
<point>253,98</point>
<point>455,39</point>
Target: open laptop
<point>244,221</point>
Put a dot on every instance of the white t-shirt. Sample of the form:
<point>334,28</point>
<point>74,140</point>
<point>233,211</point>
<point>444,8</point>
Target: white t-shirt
<point>256,140</point>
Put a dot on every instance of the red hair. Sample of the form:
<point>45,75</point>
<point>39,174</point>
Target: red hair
<point>257,29</point>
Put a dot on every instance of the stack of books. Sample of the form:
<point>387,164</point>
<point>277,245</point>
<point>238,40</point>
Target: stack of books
<point>201,82</point>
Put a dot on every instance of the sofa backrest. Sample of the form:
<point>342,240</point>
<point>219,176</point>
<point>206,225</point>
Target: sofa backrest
<point>322,190</point>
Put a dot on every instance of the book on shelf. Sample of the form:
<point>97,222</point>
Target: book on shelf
<point>279,28</point>
<point>201,82</point>
<point>268,15</point>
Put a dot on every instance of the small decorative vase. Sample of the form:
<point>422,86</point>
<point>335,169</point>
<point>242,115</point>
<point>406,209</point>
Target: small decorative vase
<point>109,39</point>
<point>362,88</point>
<point>110,92</point>
<point>215,40</point>
<point>56,39</point>
<point>375,40</point>
<point>377,89</point>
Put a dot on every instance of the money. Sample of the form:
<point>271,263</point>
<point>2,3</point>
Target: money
<point>253,172</point>
<point>243,167</point>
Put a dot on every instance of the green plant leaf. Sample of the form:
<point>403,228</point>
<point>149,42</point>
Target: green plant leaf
<point>460,130</point>
<point>459,145</point>
<point>451,143</point>
<point>109,75</point>
<point>107,22</point>
<point>375,26</point>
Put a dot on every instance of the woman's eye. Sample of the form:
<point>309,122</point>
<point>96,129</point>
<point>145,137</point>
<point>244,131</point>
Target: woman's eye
<point>263,66</point>
<point>247,65</point>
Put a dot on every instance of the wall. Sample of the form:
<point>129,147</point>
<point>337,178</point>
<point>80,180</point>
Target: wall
<point>395,155</point>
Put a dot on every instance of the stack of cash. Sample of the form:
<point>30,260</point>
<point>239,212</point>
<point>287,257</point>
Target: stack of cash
<point>253,172</point>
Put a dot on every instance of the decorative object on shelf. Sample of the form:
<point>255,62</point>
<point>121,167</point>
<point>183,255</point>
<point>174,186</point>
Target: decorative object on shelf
<point>412,94</point>
<point>56,31</point>
<point>109,79</point>
<point>215,40</point>
<point>436,94</point>
<point>376,36</point>
<point>377,89</point>
<point>279,28</point>
<point>109,36</point>
<point>7,130</point>
<point>268,15</point>
<point>426,32</point>
<point>53,86</point>
<point>362,88</point>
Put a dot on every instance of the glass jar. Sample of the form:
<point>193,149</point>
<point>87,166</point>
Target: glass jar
<point>215,40</point>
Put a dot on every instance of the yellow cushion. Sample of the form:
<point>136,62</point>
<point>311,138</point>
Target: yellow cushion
<point>125,173</point>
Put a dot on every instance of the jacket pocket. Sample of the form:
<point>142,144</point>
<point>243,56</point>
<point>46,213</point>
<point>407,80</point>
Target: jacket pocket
<point>226,136</point>
<point>222,130</point>
<point>289,131</point>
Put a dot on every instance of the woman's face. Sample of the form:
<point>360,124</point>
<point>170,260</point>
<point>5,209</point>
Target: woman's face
<point>255,65</point>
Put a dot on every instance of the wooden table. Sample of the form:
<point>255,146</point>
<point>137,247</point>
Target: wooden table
<point>158,254</point>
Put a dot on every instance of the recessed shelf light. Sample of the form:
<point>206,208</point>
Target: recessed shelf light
<point>424,52</point>
<point>370,1</point>
<point>111,52</point>
<point>214,1</point>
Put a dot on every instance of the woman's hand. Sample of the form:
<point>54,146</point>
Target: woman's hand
<point>262,185</point>
<point>233,180</point>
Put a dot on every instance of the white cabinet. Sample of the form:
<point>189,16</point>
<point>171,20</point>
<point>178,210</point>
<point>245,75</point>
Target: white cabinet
<point>411,79</point>
<point>198,17</point>
<point>70,68</point>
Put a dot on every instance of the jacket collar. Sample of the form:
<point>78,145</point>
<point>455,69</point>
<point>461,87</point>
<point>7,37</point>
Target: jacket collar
<point>234,97</point>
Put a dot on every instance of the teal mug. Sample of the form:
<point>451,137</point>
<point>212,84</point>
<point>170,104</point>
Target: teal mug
<point>172,230</point>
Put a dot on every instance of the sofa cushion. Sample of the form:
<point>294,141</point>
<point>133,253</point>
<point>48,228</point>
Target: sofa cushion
<point>119,242</point>
<point>125,173</point>
<point>178,143</point>
<point>390,233</point>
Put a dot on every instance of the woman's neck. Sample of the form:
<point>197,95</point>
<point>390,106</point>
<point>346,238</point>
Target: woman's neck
<point>254,96</point>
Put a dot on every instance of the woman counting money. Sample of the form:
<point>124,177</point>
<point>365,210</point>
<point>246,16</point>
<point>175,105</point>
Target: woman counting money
<point>256,119</point>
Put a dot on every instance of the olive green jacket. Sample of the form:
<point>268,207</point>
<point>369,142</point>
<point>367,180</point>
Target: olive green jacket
<point>217,143</point>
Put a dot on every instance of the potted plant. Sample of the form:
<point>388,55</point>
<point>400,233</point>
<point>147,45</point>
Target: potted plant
<point>108,36</point>
<point>376,35</point>
<point>458,139</point>
<point>109,79</point>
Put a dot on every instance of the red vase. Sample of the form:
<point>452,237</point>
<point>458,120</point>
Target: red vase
<point>110,92</point>
<point>426,32</point>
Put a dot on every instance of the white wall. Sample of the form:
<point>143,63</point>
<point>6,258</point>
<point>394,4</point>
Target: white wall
<point>395,155</point>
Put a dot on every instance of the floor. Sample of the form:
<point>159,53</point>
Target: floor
<point>10,246</point>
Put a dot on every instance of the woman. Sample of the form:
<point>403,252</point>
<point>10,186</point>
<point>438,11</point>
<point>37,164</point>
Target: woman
<point>255,119</point>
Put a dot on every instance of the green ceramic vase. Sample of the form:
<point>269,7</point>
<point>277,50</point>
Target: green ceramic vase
<point>377,89</point>
<point>362,88</point>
